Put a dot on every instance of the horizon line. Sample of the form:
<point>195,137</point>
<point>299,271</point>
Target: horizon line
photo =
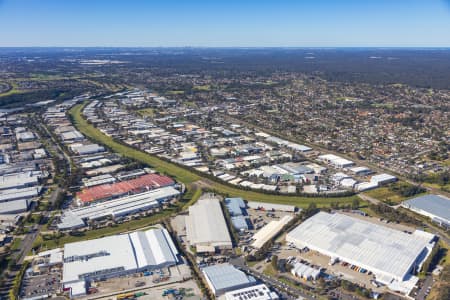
<point>233,47</point>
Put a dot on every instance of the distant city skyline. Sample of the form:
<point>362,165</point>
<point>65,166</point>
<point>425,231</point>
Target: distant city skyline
<point>232,23</point>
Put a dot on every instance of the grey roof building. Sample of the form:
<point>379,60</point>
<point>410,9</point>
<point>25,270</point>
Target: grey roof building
<point>435,207</point>
<point>224,278</point>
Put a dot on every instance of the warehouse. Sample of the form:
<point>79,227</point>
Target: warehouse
<point>336,161</point>
<point>256,292</point>
<point>383,179</point>
<point>271,206</point>
<point>305,272</point>
<point>81,149</point>
<point>13,207</point>
<point>116,208</point>
<point>115,256</point>
<point>361,171</point>
<point>137,185</point>
<point>436,207</point>
<point>206,228</point>
<point>241,223</point>
<point>21,193</point>
<point>235,206</point>
<point>390,254</point>
<point>72,136</point>
<point>224,278</point>
<point>269,231</point>
<point>19,180</point>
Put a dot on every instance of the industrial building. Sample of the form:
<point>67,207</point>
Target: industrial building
<point>269,231</point>
<point>82,149</point>
<point>436,207</point>
<point>391,255</point>
<point>236,208</point>
<point>305,272</point>
<point>19,180</point>
<point>109,191</point>
<point>256,292</point>
<point>14,207</point>
<point>206,228</point>
<point>336,161</point>
<point>271,206</point>
<point>115,256</point>
<point>117,208</point>
<point>381,179</point>
<point>223,278</point>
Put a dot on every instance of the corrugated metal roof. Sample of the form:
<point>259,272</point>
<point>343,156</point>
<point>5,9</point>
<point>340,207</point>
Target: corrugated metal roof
<point>433,204</point>
<point>384,251</point>
<point>225,276</point>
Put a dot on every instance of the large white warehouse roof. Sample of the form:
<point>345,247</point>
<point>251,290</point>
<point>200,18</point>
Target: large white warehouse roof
<point>388,253</point>
<point>206,226</point>
<point>116,208</point>
<point>115,255</point>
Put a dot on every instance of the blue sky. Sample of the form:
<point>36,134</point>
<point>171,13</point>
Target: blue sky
<point>245,23</point>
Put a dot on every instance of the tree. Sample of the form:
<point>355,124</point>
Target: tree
<point>274,262</point>
<point>355,203</point>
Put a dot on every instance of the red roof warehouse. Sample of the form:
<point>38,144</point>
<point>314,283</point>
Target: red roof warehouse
<point>133,186</point>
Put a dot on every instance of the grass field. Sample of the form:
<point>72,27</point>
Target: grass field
<point>385,194</point>
<point>150,112</point>
<point>175,92</point>
<point>202,87</point>
<point>12,91</point>
<point>188,177</point>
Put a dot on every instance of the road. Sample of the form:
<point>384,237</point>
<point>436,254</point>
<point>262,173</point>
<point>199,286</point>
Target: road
<point>58,147</point>
<point>423,292</point>
<point>369,199</point>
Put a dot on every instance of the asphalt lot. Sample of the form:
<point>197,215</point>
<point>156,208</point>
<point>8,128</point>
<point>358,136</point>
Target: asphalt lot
<point>47,284</point>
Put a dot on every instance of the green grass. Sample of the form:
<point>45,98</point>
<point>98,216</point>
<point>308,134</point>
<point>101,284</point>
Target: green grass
<point>270,271</point>
<point>188,177</point>
<point>192,196</point>
<point>385,194</point>
<point>205,87</point>
<point>15,245</point>
<point>175,92</point>
<point>150,112</point>
<point>12,91</point>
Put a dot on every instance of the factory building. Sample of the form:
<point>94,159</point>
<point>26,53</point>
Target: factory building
<point>117,208</point>
<point>381,179</point>
<point>336,161</point>
<point>110,191</point>
<point>269,231</point>
<point>206,228</point>
<point>271,206</point>
<point>223,278</point>
<point>116,256</point>
<point>391,255</point>
<point>237,210</point>
<point>436,207</point>
<point>19,180</point>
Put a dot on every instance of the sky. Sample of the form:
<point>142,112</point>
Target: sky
<point>227,23</point>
